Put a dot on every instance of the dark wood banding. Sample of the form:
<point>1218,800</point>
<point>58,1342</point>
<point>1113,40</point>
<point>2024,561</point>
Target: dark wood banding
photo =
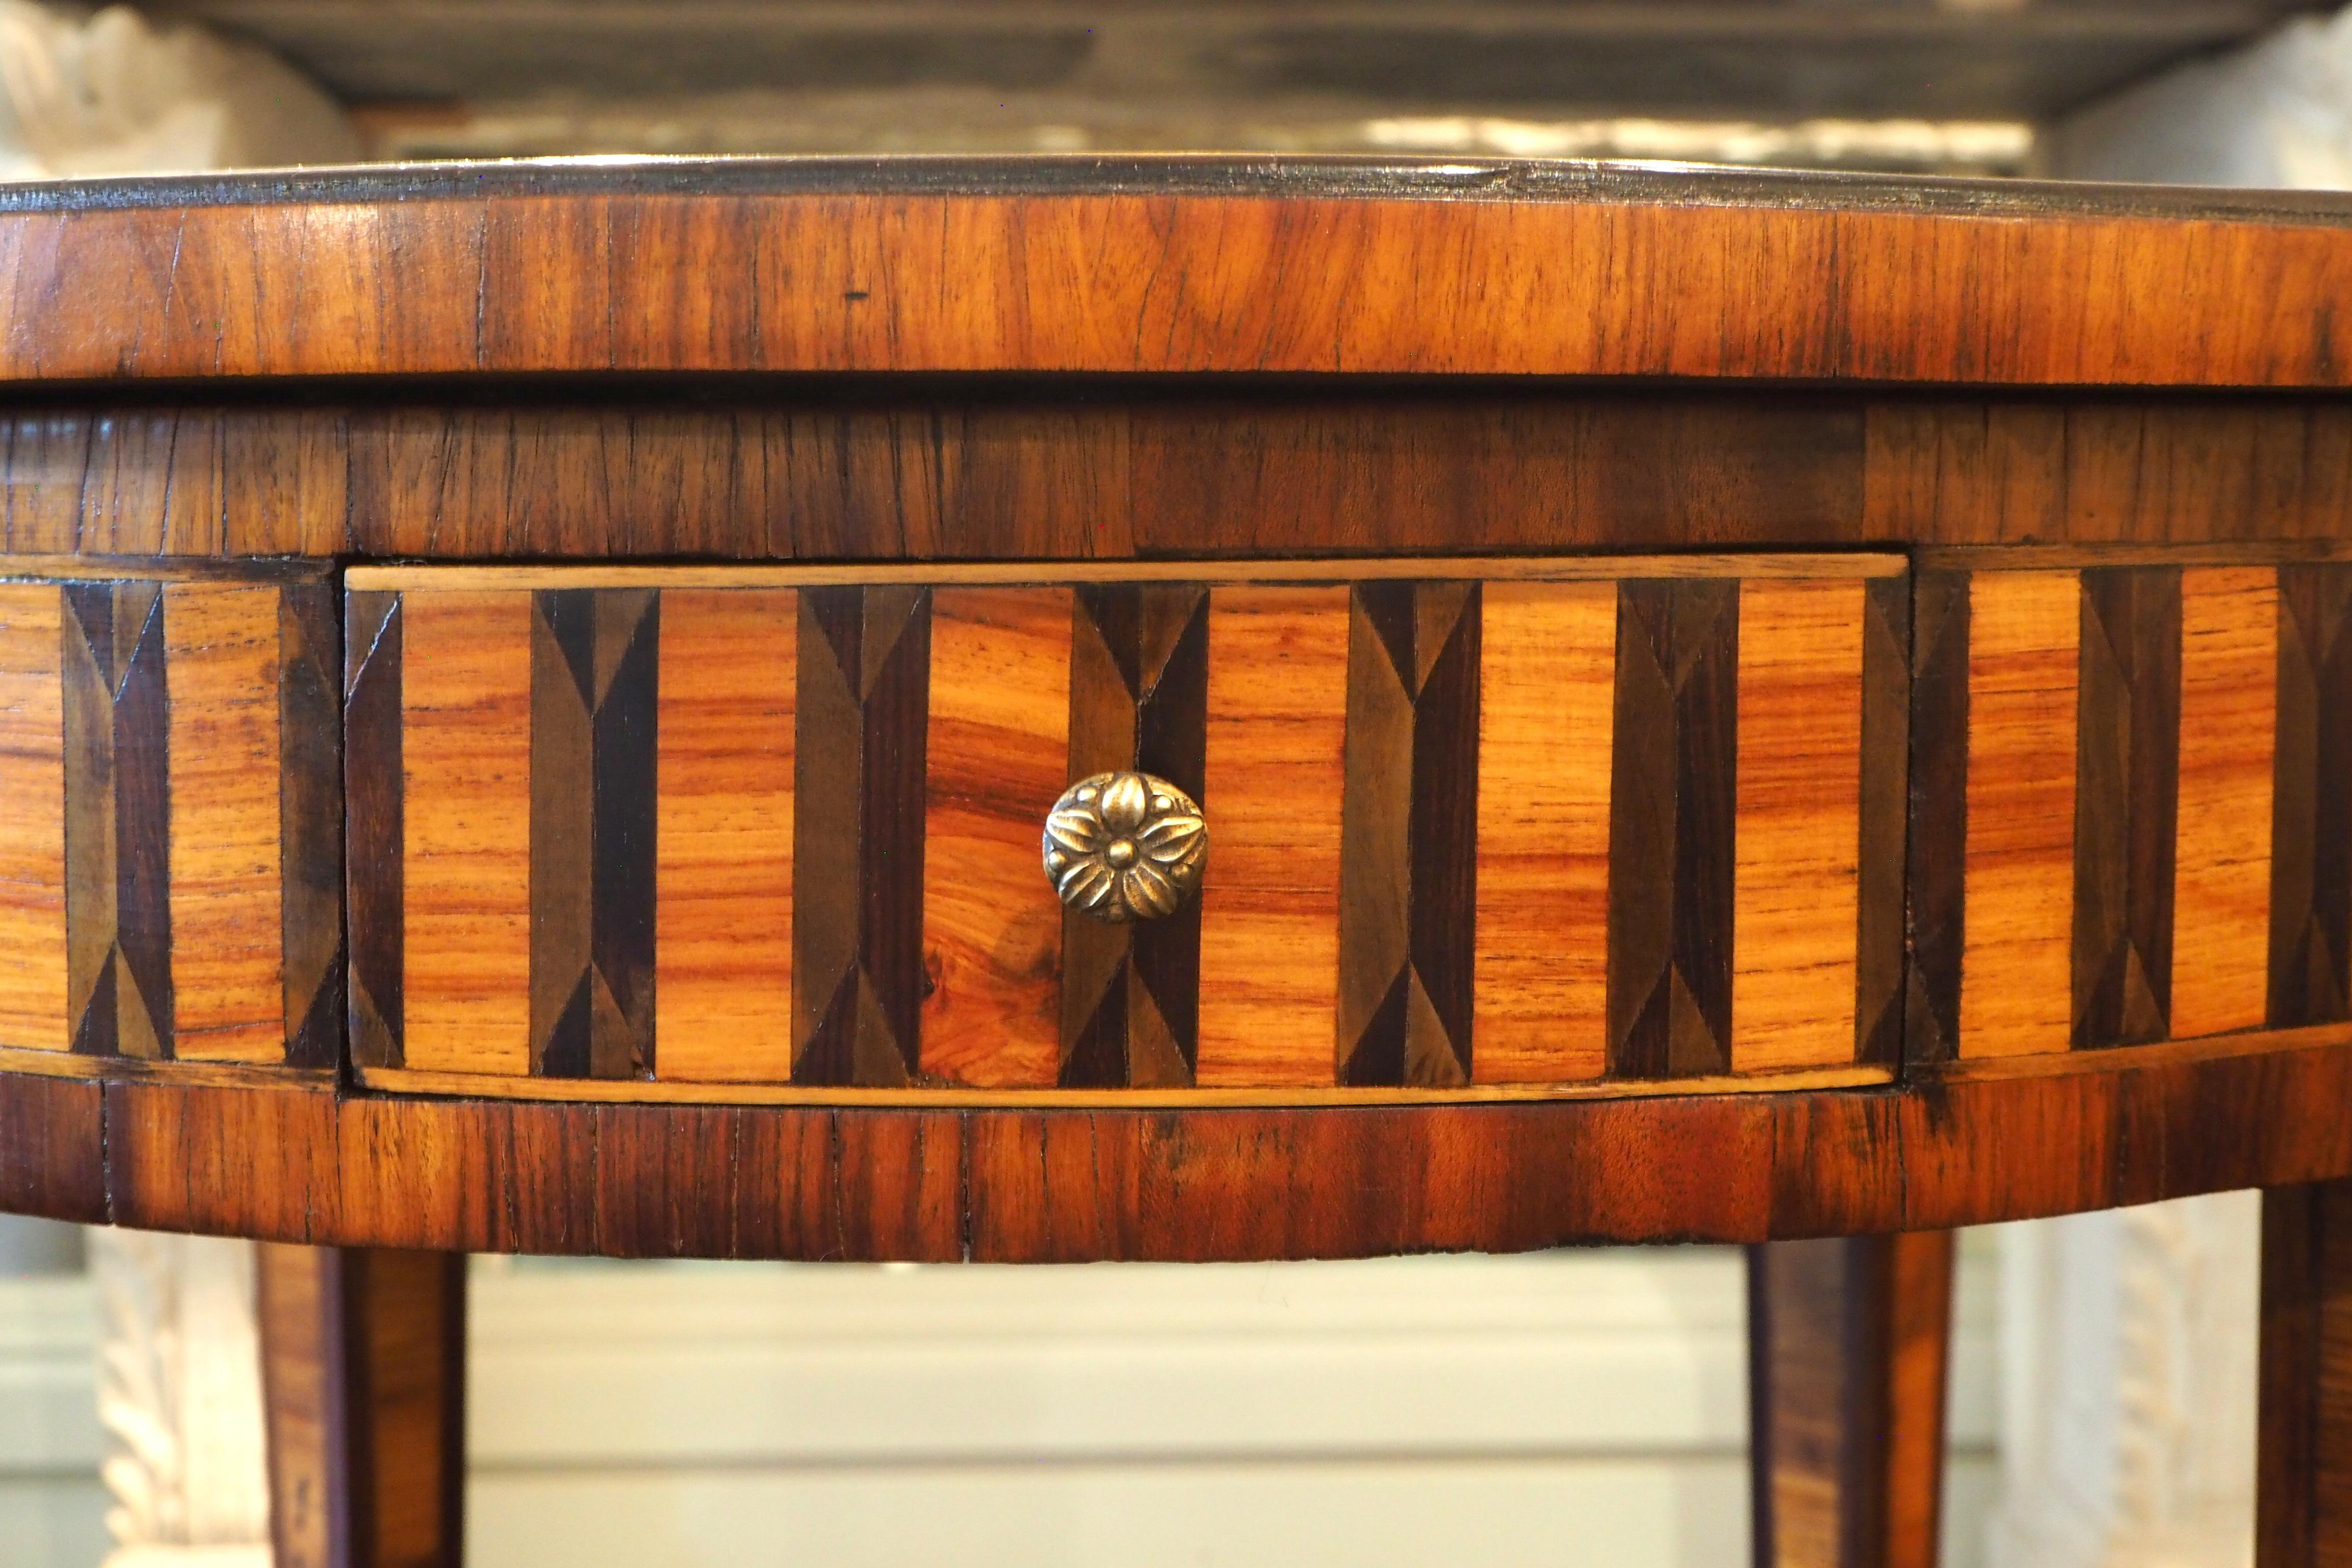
<point>1131,1004</point>
<point>1937,856</point>
<point>858,842</point>
<point>374,794</point>
<point>2310,820</point>
<point>1672,820</point>
<point>2127,793</point>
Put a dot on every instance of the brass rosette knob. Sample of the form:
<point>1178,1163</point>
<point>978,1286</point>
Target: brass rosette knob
<point>1125,846</point>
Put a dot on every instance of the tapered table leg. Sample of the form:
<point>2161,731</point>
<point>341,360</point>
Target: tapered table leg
<point>2303,1495</point>
<point>363,1372</point>
<point>1847,1348</point>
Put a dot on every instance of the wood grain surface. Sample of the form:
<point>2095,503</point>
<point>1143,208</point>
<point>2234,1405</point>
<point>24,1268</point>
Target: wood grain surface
<point>2023,642</point>
<point>1546,740</point>
<point>998,757</point>
<point>363,1365</point>
<point>33,829</point>
<point>723,912</point>
<point>1606,277</point>
<point>466,754</point>
<point>2303,1452</point>
<point>221,646</point>
<point>1060,472</point>
<point>1275,776</point>
<point>1796,886</point>
<point>1673,827</point>
<point>1848,1348</point>
<point>2104,1129</point>
<point>2229,723</point>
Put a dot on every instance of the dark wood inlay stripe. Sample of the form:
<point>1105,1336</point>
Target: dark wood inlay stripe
<point>857,841</point>
<point>2311,816</point>
<point>373,796</point>
<point>1672,820</point>
<point>594,674</point>
<point>1138,698</point>
<point>2127,793</point>
<point>1886,741</point>
<point>117,820</point>
<point>310,826</point>
<point>1938,797</point>
<point>1408,869</point>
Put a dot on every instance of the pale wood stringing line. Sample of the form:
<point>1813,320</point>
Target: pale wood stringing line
<point>997,757</point>
<point>2130,1058</point>
<point>182,1074</point>
<point>2228,738</point>
<point>221,661</point>
<point>1547,724</point>
<point>723,836</point>
<point>33,825</point>
<point>998,574</point>
<point>466,767</point>
<point>396,1080</point>
<point>1275,774</point>
<point>2016,975</point>
<point>1797,837</point>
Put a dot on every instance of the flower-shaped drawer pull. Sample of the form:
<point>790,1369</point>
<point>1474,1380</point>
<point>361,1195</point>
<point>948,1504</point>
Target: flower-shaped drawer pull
<point>1125,846</point>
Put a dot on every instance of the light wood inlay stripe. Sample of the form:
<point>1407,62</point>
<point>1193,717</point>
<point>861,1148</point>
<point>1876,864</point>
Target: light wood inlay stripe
<point>32,825</point>
<point>997,758</point>
<point>465,766</point>
<point>1795,890</point>
<point>228,938</point>
<point>2016,963</point>
<point>2229,735</point>
<point>1275,778</point>
<point>1547,722</point>
<point>723,879</point>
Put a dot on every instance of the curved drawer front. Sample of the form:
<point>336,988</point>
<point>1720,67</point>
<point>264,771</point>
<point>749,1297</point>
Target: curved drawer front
<point>1476,829</point>
<point>171,845</point>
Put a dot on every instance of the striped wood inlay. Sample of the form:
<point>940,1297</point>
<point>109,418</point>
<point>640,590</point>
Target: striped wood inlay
<point>1138,698</point>
<point>117,820</point>
<point>32,828</point>
<point>1798,826</point>
<point>2311,875</point>
<point>997,758</point>
<point>2228,722</point>
<point>466,749</point>
<point>221,643</point>
<point>1672,829</point>
<point>1277,713</point>
<point>723,935</point>
<point>1547,716</point>
<point>2016,966</point>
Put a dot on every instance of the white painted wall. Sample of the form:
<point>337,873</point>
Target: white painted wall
<point>1568,1408</point>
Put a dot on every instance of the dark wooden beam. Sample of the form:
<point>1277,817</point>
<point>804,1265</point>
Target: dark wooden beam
<point>364,1374</point>
<point>1847,1355</point>
<point>2303,1499</point>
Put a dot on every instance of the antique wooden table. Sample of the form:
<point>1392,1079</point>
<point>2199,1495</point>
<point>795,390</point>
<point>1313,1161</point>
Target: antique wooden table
<point>1802,711</point>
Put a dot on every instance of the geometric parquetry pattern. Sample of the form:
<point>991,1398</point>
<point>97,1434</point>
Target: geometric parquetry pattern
<point>1408,866</point>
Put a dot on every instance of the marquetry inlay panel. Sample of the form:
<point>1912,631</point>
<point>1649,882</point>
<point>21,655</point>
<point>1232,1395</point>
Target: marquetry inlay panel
<point>1495,829</point>
<point>170,849</point>
<point>2132,799</point>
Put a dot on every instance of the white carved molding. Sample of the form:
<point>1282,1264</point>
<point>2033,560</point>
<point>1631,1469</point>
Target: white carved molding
<point>2128,1346</point>
<point>179,1395</point>
<point>108,94</point>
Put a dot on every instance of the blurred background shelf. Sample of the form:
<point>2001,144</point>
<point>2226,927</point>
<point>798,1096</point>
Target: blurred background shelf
<point>1906,84</point>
